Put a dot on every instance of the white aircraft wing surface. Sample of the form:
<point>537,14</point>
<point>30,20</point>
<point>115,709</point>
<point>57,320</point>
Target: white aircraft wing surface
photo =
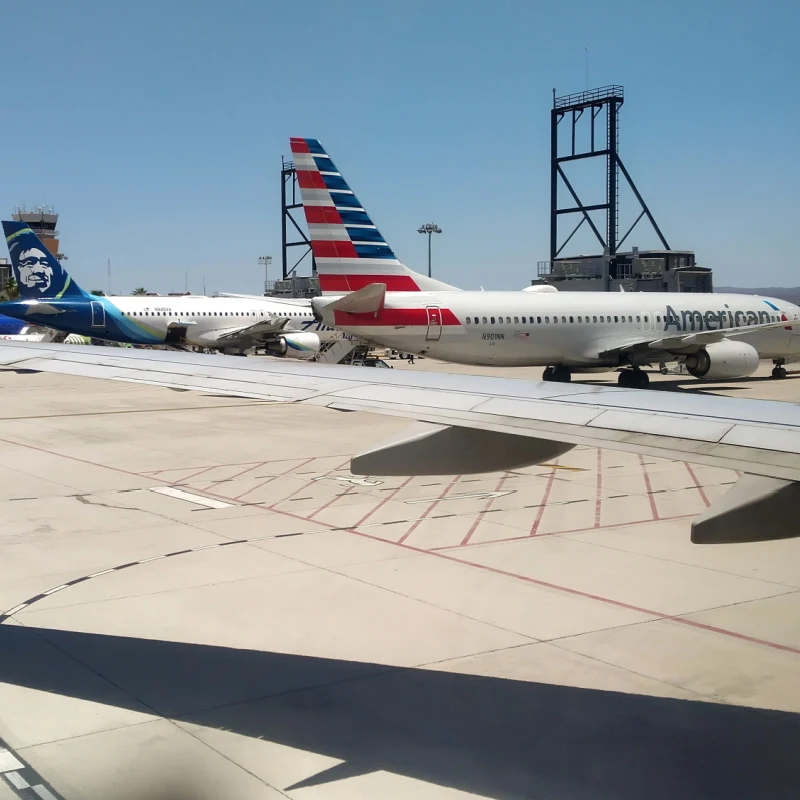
<point>484,424</point>
<point>681,342</point>
<point>263,327</point>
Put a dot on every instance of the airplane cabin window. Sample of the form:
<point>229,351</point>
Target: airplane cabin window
<point>555,320</point>
<point>638,318</point>
<point>516,320</point>
<point>645,317</point>
<point>630,318</point>
<point>484,320</point>
<point>492,318</point>
<point>602,318</point>
<point>572,319</point>
<point>547,319</point>
<point>616,318</point>
<point>508,320</point>
<point>524,320</point>
<point>580,319</point>
<point>658,318</point>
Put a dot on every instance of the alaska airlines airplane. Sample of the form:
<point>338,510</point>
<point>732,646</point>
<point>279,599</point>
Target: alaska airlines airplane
<point>377,298</point>
<point>48,296</point>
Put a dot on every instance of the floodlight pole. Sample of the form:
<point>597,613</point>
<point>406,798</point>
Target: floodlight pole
<point>265,261</point>
<point>429,228</point>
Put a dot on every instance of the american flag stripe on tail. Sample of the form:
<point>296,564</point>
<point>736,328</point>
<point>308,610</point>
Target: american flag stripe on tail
<point>348,247</point>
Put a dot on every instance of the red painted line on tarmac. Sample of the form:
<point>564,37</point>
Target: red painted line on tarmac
<point>649,489</point>
<point>448,557</point>
<point>331,502</point>
<point>575,592</point>
<point>85,461</point>
<point>270,479</point>
<point>560,533</point>
<point>239,474</point>
<point>482,513</point>
<point>700,489</point>
<point>545,496</point>
<point>384,501</point>
<point>428,510</point>
<point>199,472</point>
<point>307,483</point>
<point>598,503</point>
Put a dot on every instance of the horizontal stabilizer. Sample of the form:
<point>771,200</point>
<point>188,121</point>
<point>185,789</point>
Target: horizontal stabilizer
<point>34,307</point>
<point>425,449</point>
<point>368,300</point>
<point>756,509</point>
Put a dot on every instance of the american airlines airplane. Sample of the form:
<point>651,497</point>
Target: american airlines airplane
<point>373,296</point>
<point>48,296</point>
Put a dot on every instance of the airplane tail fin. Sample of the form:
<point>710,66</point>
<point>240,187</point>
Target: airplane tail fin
<point>38,273</point>
<point>349,249</point>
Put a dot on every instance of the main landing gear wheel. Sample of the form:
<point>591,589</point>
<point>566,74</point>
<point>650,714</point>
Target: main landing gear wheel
<point>557,374</point>
<point>633,379</point>
<point>779,372</point>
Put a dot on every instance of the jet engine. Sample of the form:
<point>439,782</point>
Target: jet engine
<point>721,360</point>
<point>294,345</point>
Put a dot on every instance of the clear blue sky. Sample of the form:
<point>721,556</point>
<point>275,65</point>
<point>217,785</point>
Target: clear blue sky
<point>157,128</point>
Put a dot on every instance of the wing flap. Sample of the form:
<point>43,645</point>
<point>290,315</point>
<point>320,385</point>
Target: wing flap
<point>263,327</point>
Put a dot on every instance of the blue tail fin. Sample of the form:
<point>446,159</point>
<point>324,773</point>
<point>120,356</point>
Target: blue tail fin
<point>37,271</point>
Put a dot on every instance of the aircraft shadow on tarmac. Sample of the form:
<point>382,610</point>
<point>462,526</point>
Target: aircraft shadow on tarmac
<point>491,736</point>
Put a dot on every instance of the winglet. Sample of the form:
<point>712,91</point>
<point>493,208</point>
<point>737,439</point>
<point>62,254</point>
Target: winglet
<point>367,300</point>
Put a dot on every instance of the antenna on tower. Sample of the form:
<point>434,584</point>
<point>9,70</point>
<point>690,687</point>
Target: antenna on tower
<point>586,49</point>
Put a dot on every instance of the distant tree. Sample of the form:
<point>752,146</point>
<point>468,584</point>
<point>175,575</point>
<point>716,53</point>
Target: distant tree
<point>10,290</point>
<point>139,291</point>
<point>98,292</point>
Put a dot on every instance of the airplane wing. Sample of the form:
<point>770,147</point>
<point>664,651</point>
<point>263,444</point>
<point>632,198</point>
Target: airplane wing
<point>483,424</point>
<point>683,342</point>
<point>258,330</point>
<point>287,301</point>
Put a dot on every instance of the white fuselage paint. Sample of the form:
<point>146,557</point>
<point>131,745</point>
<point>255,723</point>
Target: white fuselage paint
<point>567,328</point>
<point>210,318</point>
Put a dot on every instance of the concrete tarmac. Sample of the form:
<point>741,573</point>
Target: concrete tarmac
<point>201,601</point>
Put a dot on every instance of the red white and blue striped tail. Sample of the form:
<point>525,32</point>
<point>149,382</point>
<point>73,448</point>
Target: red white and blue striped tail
<point>349,249</point>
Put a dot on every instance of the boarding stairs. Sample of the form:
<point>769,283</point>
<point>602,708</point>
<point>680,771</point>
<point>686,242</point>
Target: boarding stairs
<point>337,350</point>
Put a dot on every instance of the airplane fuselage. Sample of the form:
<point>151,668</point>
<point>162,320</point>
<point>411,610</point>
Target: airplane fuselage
<point>191,319</point>
<point>573,329</point>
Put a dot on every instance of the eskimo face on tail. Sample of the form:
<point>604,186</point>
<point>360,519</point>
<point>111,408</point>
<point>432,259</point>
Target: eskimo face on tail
<point>35,271</point>
<point>38,273</point>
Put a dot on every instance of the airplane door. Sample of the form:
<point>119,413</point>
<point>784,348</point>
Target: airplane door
<point>434,323</point>
<point>98,315</point>
<point>647,321</point>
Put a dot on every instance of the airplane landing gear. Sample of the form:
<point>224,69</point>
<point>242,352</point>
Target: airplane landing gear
<point>557,374</point>
<point>633,379</point>
<point>779,371</point>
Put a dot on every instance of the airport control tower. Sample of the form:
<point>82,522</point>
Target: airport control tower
<point>43,221</point>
